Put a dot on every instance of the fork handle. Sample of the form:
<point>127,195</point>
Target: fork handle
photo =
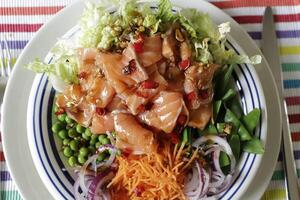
<point>288,157</point>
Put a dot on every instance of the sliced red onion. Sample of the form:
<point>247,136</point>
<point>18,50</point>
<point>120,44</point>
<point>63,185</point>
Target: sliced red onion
<point>220,141</point>
<point>222,187</point>
<point>197,186</point>
<point>206,179</point>
<point>193,186</point>
<point>216,180</point>
<point>95,189</point>
<point>83,172</point>
<point>110,160</point>
<point>216,161</point>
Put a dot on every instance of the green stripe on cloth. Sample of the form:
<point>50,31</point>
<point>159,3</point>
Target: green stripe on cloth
<point>10,195</point>
<point>274,194</point>
<point>279,175</point>
<point>286,67</point>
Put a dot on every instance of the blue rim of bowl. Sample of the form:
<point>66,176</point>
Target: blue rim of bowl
<point>60,163</point>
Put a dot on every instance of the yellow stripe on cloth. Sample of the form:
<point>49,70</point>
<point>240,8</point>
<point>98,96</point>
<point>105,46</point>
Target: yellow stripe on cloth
<point>275,194</point>
<point>289,50</point>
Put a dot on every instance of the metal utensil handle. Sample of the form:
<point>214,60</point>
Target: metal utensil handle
<point>289,161</point>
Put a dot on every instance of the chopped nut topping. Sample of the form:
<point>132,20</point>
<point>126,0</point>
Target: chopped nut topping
<point>178,35</point>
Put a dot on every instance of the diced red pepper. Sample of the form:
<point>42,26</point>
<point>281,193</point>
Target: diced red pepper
<point>141,108</point>
<point>126,152</point>
<point>141,94</point>
<point>60,111</point>
<point>181,120</point>
<point>149,84</point>
<point>138,45</point>
<point>191,96</point>
<point>129,68</point>
<point>100,111</point>
<point>184,64</point>
<point>82,75</point>
<point>174,137</point>
<point>149,105</point>
<point>132,64</point>
<point>203,94</point>
<point>139,190</point>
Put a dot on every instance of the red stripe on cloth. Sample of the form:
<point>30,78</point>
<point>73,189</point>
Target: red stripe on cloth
<point>294,118</point>
<point>258,19</point>
<point>2,156</point>
<point>254,3</point>
<point>30,10</point>
<point>19,27</point>
<point>296,136</point>
<point>292,100</point>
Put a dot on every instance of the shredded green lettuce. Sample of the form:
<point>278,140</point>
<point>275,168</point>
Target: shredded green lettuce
<point>64,64</point>
<point>165,12</point>
<point>209,40</point>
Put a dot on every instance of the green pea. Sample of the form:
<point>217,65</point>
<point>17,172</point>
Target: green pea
<point>66,141</point>
<point>101,156</point>
<point>63,134</point>
<point>72,161</point>
<point>92,149</point>
<point>57,127</point>
<point>97,145</point>
<point>88,132</point>
<point>68,152</point>
<point>79,128</point>
<point>76,154</point>
<point>94,136</point>
<point>81,159</point>
<point>84,136</point>
<point>72,133</point>
<point>105,141</point>
<point>93,141</point>
<point>74,145</point>
<point>69,120</point>
<point>84,151</point>
<point>62,117</point>
<point>101,137</point>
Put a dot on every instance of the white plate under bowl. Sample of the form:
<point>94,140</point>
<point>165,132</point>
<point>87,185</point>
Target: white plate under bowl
<point>256,83</point>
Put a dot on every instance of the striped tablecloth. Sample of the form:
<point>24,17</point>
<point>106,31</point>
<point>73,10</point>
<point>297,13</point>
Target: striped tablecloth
<point>19,20</point>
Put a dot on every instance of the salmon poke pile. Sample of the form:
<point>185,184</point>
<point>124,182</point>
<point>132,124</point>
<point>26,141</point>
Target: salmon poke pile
<point>146,105</point>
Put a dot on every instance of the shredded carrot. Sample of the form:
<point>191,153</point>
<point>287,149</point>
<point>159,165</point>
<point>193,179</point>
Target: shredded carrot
<point>158,175</point>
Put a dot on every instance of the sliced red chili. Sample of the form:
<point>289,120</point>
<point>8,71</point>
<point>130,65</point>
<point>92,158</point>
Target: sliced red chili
<point>181,120</point>
<point>141,108</point>
<point>138,45</point>
<point>149,84</point>
<point>100,111</point>
<point>129,68</point>
<point>82,75</point>
<point>60,111</point>
<point>142,94</point>
<point>126,152</point>
<point>149,105</point>
<point>174,137</point>
<point>204,94</point>
<point>184,64</point>
<point>139,190</point>
<point>191,96</point>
